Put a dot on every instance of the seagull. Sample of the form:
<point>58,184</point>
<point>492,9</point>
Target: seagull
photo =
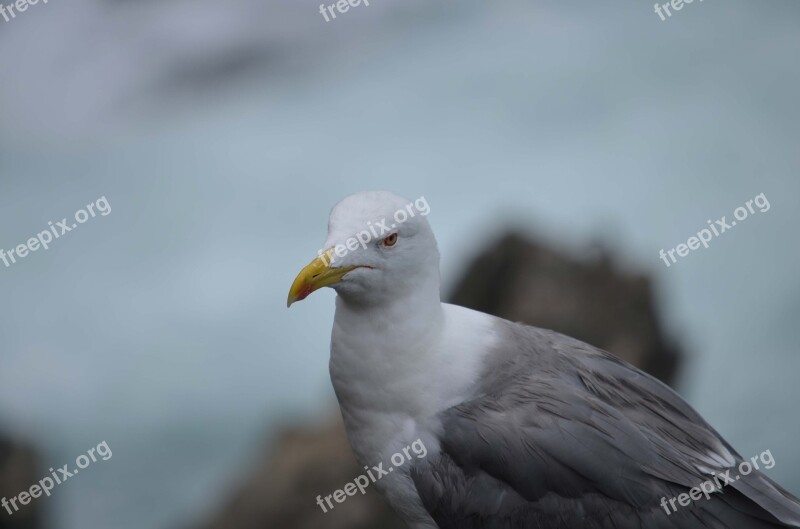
<point>524,428</point>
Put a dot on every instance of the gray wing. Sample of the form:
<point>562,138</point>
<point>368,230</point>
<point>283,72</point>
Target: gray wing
<point>567,436</point>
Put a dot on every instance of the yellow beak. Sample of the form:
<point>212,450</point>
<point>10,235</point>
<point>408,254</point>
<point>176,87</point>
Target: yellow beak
<point>316,275</point>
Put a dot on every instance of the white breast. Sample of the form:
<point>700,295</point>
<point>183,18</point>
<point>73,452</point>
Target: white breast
<point>392,383</point>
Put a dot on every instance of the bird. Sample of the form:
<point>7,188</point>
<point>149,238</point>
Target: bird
<point>524,428</point>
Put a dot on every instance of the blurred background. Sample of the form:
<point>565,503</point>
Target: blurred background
<point>572,140</point>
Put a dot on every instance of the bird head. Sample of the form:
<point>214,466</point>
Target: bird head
<point>379,247</point>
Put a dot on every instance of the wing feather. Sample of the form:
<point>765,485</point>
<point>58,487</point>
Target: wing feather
<point>565,435</point>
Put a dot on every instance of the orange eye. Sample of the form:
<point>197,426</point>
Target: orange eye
<point>390,241</point>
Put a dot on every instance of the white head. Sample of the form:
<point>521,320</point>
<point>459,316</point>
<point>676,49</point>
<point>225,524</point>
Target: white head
<point>380,247</point>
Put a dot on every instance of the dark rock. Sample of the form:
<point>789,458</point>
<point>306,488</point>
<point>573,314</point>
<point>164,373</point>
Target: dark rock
<point>591,300</point>
<point>18,471</point>
<point>281,492</point>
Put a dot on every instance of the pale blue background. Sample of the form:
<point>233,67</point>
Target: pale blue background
<point>222,133</point>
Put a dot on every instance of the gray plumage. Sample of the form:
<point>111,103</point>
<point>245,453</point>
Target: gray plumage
<point>563,435</point>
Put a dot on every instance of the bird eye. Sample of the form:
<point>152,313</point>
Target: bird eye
<point>390,241</point>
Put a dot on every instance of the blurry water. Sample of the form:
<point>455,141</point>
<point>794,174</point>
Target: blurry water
<point>162,329</point>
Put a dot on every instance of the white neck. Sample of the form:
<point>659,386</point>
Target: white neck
<point>379,347</point>
<point>394,368</point>
<point>413,356</point>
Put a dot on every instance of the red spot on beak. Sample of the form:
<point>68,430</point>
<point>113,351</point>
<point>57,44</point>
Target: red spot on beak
<point>304,292</point>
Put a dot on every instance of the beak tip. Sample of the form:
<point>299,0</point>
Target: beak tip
<point>299,295</point>
<point>315,275</point>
